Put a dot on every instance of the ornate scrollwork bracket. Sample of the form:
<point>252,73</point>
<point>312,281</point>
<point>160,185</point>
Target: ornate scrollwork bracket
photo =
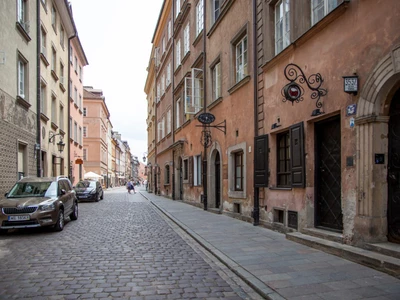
<point>294,91</point>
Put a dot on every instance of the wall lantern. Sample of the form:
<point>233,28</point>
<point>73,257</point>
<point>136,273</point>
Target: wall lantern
<point>60,144</point>
<point>294,91</point>
<point>350,84</point>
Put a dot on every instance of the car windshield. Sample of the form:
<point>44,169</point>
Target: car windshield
<point>33,189</point>
<point>86,184</point>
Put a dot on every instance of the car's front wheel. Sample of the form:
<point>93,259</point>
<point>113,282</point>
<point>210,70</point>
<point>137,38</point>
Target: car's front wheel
<point>74,215</point>
<point>59,226</point>
<point>102,196</point>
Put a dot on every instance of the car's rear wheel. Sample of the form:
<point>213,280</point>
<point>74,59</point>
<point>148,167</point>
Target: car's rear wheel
<point>3,231</point>
<point>74,215</point>
<point>59,226</point>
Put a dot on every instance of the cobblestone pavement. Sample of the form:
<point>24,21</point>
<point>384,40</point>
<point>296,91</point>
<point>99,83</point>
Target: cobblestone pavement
<point>119,248</point>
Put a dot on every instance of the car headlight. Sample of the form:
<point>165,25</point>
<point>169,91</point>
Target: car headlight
<point>47,207</point>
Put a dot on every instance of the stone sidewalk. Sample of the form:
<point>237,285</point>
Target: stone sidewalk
<point>275,267</point>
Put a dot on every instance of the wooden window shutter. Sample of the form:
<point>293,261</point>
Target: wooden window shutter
<point>191,170</point>
<point>297,162</point>
<point>261,161</point>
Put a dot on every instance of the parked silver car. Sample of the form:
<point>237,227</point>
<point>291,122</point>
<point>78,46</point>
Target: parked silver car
<point>38,201</point>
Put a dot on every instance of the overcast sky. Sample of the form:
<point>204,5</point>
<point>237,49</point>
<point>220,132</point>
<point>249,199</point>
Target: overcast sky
<point>116,37</point>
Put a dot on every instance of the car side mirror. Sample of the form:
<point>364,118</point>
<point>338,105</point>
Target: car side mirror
<point>63,192</point>
<point>5,195</point>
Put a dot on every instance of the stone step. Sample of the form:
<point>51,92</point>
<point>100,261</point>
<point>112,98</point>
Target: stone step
<point>375,260</point>
<point>389,249</point>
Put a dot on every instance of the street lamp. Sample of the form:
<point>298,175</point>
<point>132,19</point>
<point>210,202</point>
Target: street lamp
<point>60,144</point>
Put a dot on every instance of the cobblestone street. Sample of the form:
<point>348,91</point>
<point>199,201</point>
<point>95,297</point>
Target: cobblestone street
<point>119,248</point>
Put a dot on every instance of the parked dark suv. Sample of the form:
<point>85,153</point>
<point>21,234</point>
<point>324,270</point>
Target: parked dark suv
<point>89,190</point>
<point>38,201</point>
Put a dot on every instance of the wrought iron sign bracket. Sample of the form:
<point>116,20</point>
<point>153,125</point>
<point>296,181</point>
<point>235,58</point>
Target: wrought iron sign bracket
<point>206,119</point>
<point>294,91</point>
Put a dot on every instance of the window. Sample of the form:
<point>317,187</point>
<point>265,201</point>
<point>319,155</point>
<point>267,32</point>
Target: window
<point>43,41</point>
<point>22,16</point>
<point>80,135</point>
<point>241,59</point>
<point>61,73</point>
<point>70,128</point>
<point>186,40</point>
<point>320,8</point>
<point>197,170</point>
<point>238,171</point>
<point>185,169</point>
<point>84,131</point>
<point>75,132</point>
<point>283,165</point>
<point>166,175</point>
<point>80,73</point>
<point>80,101</point>
<point>282,25</point>
<point>177,7</point>
<point>163,47</point>
<point>53,59</point>
<point>178,53</point>
<point>199,17</point>
<point>61,117</point>
<point>53,109</point>
<point>169,121</point>
<point>194,92</point>
<point>75,95</point>
<point>216,9</point>
<point>163,127</point>
<point>62,36</point>
<point>216,81</point>
<point>168,82</point>
<point>53,17</point>
<point>290,157</point>
<point>178,113</point>
<point>22,160</point>
<point>22,77</point>
<point>162,84</point>
<point>158,92</point>
<point>85,152</point>
<point>76,65</point>
<point>43,97</point>
<point>84,111</point>
<point>169,29</point>
<point>71,55</point>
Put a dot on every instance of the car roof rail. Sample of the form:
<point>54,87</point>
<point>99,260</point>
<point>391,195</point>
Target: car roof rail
<point>62,177</point>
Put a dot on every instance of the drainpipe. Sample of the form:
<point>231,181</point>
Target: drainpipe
<point>205,191</point>
<point>256,209</point>
<point>38,109</point>
<point>173,106</point>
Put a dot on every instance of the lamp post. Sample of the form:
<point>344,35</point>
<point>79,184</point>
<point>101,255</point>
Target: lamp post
<point>60,144</point>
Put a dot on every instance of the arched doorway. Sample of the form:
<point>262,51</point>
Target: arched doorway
<point>217,165</point>
<point>394,171</point>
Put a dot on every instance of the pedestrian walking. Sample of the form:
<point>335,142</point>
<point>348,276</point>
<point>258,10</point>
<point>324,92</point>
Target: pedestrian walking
<point>129,186</point>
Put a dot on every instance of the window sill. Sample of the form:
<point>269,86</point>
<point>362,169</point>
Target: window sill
<point>62,87</point>
<point>239,84</point>
<point>23,31</point>
<point>215,103</point>
<point>44,118</point>
<point>44,59</point>
<point>198,38</point>
<point>237,194</point>
<point>54,74</point>
<point>54,126</point>
<point>22,102</point>
<point>274,188</point>
<point>185,58</point>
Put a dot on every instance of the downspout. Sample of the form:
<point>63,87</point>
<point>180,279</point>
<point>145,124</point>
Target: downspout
<point>256,209</point>
<point>38,109</point>
<point>204,106</point>
<point>69,106</point>
<point>173,105</point>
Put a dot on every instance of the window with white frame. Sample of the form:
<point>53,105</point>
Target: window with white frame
<point>61,73</point>
<point>22,77</point>
<point>76,65</point>
<point>178,113</point>
<point>178,54</point>
<point>62,36</point>
<point>282,25</point>
<point>71,55</point>
<point>43,41</point>
<point>53,59</point>
<point>216,81</point>
<point>168,80</point>
<point>241,59</point>
<point>163,127</point>
<point>85,153</point>
<point>177,7</point>
<point>169,29</point>
<point>163,45</point>
<point>76,95</point>
<point>80,135</point>
<point>197,170</point>
<point>80,73</point>
<point>162,84</point>
<point>186,40</point>
<point>158,92</point>
<point>84,131</point>
<point>238,177</point>
<point>75,132</point>
<point>70,128</point>
<point>199,17</point>
<point>169,114</point>
<point>216,10</point>
<point>22,14</point>
<point>320,8</point>
<point>194,94</point>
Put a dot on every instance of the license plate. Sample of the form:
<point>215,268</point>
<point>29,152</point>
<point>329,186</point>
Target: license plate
<point>18,218</point>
